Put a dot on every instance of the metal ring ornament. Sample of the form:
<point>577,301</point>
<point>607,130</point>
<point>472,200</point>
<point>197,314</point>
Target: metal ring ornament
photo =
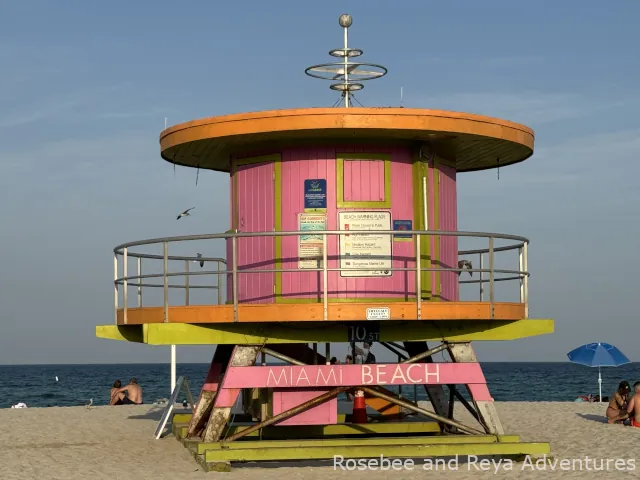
<point>338,71</point>
<point>346,52</point>
<point>347,87</point>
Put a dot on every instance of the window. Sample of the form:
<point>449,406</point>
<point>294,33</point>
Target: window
<point>363,180</point>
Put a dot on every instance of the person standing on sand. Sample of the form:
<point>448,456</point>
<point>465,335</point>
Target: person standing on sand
<point>616,410</point>
<point>134,393</point>
<point>633,409</point>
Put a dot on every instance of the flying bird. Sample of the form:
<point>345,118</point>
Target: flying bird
<point>199,255</point>
<point>185,213</point>
<point>465,265</point>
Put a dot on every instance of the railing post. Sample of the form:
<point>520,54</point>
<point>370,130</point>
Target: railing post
<point>219,284</point>
<point>115,287</point>
<point>186,282</point>
<point>124,283</point>
<point>173,368</point>
<point>491,276</point>
<point>166,281</point>
<point>481,276</point>
<point>520,269</point>
<point>399,386</point>
<point>419,277</point>
<point>525,279</point>
<point>234,275</point>
<point>327,353</point>
<point>139,282</point>
<point>325,277</point>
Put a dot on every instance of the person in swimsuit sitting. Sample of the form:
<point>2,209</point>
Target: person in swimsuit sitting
<point>134,393</point>
<point>617,408</point>
<point>116,395</point>
<point>633,408</point>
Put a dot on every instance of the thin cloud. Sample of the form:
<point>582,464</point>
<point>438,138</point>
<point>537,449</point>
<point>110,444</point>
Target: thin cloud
<point>61,107</point>
<point>530,108</point>
<point>583,160</point>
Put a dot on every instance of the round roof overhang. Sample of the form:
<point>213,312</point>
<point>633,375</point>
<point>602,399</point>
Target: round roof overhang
<point>472,142</point>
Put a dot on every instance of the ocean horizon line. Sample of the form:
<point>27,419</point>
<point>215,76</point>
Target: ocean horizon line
<point>273,363</point>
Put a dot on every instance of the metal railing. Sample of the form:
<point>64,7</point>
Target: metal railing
<point>521,274</point>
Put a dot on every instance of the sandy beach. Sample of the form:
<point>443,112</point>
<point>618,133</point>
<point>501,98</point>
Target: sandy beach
<point>117,443</point>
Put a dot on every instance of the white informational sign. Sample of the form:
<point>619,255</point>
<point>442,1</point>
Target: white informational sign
<point>356,250</point>
<point>380,313</point>
<point>310,245</point>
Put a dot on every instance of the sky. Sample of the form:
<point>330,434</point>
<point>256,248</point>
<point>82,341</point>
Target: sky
<point>85,88</point>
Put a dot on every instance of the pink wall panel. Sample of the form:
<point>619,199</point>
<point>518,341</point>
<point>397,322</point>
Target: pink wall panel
<point>363,180</point>
<point>448,222</point>
<point>317,163</point>
<point>324,414</point>
<point>256,213</point>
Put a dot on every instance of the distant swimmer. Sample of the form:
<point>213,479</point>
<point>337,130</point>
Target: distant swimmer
<point>134,393</point>
<point>185,213</point>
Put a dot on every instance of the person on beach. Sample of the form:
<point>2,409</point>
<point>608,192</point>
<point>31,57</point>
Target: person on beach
<point>116,395</point>
<point>134,393</point>
<point>633,408</point>
<point>364,355</point>
<point>617,408</point>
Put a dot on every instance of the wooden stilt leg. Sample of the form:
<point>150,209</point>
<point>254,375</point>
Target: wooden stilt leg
<point>463,352</point>
<point>298,351</point>
<point>203,406</point>
<point>434,392</point>
<point>242,356</point>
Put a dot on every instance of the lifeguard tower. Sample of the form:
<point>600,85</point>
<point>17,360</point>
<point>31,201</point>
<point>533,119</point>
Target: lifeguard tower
<point>343,230</point>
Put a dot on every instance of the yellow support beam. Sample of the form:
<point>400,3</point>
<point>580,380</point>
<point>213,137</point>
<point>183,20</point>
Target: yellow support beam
<point>348,442</point>
<point>248,333</point>
<point>355,450</point>
<point>326,431</point>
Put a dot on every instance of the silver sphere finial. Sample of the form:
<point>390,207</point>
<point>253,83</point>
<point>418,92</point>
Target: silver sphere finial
<point>345,20</point>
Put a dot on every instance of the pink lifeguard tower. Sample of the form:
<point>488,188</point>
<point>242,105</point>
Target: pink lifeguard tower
<point>343,229</point>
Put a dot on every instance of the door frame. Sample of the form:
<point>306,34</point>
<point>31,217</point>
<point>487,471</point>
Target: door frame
<point>275,159</point>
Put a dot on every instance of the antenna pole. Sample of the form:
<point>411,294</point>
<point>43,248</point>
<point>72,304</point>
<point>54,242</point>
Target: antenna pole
<point>347,93</point>
<point>348,74</point>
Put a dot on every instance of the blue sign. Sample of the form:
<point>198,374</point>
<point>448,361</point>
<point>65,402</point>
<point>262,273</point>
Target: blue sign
<point>402,225</point>
<point>315,194</point>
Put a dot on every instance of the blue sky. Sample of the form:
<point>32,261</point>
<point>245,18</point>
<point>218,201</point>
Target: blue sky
<point>85,88</point>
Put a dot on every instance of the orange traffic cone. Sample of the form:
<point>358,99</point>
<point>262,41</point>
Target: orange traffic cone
<point>359,408</point>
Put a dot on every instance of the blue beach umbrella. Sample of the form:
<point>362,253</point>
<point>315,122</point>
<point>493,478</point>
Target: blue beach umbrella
<point>598,355</point>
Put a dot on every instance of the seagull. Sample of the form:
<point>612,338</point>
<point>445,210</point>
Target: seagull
<point>89,403</point>
<point>465,265</point>
<point>199,255</point>
<point>185,213</point>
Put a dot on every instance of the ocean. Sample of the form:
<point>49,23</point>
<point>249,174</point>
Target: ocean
<point>36,385</point>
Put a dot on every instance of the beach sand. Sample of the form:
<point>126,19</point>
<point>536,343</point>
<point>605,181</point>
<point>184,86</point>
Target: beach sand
<point>117,443</point>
